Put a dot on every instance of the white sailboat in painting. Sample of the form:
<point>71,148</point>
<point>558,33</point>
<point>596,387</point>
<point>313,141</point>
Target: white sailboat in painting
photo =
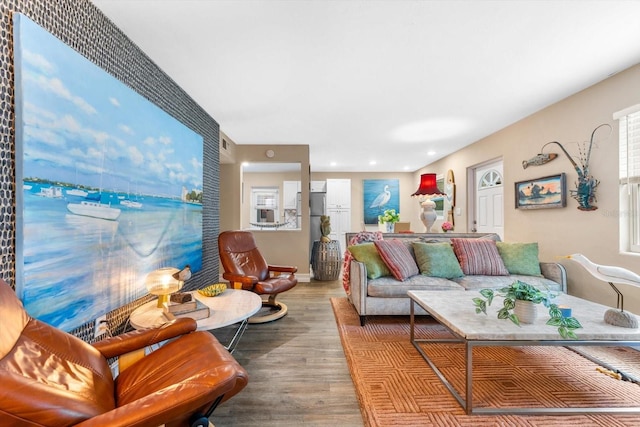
<point>126,201</point>
<point>94,209</point>
<point>131,204</point>
<point>51,192</point>
<point>77,192</point>
<point>92,205</point>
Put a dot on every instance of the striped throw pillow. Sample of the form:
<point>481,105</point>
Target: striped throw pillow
<point>479,257</point>
<point>398,259</point>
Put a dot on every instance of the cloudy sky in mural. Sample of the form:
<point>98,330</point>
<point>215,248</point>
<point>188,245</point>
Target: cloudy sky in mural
<point>86,122</point>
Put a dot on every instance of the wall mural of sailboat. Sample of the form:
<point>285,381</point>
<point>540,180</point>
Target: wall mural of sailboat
<point>84,246</point>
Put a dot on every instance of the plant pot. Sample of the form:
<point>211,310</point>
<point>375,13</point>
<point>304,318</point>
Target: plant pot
<point>526,311</point>
<point>389,226</point>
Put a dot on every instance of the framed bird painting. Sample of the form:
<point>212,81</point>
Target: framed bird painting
<point>379,195</point>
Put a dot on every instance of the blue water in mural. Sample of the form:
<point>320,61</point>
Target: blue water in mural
<point>113,185</point>
<point>97,264</point>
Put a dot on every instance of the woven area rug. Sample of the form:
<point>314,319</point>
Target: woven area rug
<point>396,387</point>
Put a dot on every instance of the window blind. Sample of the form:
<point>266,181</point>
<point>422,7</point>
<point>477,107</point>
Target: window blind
<point>629,133</point>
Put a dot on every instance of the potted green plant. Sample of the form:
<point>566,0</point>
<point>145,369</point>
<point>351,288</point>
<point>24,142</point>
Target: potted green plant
<point>520,292</point>
<point>389,217</point>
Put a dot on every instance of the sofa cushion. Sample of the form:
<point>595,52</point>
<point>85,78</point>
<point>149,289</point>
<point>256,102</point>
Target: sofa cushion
<point>437,260</point>
<point>389,287</point>
<point>475,283</point>
<point>368,254</point>
<point>397,257</point>
<point>477,256</point>
<point>520,258</point>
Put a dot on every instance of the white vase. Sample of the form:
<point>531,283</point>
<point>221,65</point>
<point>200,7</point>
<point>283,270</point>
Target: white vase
<point>526,311</point>
<point>389,227</point>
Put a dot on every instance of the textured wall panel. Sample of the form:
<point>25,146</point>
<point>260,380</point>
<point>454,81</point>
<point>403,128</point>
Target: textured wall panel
<point>82,26</point>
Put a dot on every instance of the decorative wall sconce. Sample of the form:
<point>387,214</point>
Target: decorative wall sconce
<point>427,189</point>
<point>585,192</point>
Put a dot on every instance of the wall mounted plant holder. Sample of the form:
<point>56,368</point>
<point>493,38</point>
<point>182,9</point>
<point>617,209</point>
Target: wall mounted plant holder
<point>585,191</point>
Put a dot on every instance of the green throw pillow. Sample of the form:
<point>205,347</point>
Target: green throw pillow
<point>437,260</point>
<point>520,258</point>
<point>368,254</point>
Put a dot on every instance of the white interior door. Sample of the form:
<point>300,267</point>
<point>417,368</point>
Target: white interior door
<point>489,199</point>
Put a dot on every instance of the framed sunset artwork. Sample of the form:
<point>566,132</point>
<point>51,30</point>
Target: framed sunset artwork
<point>541,193</point>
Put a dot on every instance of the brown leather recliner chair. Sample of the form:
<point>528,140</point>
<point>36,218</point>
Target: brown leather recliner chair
<point>51,378</point>
<point>245,268</point>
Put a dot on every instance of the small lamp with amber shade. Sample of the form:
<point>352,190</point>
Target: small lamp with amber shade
<point>427,189</point>
<point>163,282</point>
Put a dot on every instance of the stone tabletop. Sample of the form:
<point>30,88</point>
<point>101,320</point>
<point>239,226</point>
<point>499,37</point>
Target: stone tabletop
<point>230,307</point>
<point>455,310</point>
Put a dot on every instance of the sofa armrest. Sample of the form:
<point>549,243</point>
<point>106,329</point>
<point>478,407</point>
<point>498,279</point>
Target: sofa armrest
<point>358,286</point>
<point>556,272</point>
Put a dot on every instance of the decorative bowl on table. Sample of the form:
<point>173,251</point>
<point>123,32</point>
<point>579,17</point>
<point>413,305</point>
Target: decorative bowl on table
<point>213,290</point>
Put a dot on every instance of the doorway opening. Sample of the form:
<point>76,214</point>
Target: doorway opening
<point>486,198</point>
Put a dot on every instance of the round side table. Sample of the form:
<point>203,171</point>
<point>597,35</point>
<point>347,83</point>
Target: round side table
<point>230,307</point>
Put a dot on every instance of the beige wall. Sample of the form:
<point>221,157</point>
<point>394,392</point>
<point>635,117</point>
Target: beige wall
<point>558,231</point>
<point>568,230</point>
<point>285,247</point>
<point>407,186</point>
<point>275,179</point>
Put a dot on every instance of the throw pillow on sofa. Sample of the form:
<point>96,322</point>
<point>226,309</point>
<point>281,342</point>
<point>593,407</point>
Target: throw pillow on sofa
<point>368,254</point>
<point>398,259</point>
<point>520,258</point>
<point>437,260</point>
<point>479,257</point>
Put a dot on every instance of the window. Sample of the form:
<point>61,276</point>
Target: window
<point>491,178</point>
<point>265,207</point>
<point>629,122</point>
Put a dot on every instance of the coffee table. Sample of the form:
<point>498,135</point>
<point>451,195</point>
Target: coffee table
<point>455,311</point>
<point>233,306</point>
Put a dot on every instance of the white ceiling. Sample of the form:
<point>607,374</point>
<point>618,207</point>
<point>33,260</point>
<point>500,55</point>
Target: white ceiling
<point>402,83</point>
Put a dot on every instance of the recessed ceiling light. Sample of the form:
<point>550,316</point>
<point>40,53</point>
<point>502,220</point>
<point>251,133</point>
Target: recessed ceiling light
<point>372,162</point>
<point>431,153</point>
<point>333,164</point>
<point>405,168</point>
<point>431,129</point>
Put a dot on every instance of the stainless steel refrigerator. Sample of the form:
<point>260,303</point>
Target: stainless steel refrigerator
<point>317,205</point>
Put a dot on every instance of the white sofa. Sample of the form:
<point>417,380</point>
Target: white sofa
<point>388,296</point>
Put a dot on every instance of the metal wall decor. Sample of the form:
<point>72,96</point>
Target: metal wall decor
<point>585,191</point>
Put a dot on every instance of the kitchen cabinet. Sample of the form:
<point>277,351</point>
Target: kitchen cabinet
<point>338,194</point>
<point>340,225</point>
<point>290,190</point>
<point>318,187</point>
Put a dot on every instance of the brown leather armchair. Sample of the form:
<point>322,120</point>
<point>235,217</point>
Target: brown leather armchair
<point>51,378</point>
<point>245,268</point>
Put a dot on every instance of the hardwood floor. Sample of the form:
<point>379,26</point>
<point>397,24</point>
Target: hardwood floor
<point>298,374</point>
